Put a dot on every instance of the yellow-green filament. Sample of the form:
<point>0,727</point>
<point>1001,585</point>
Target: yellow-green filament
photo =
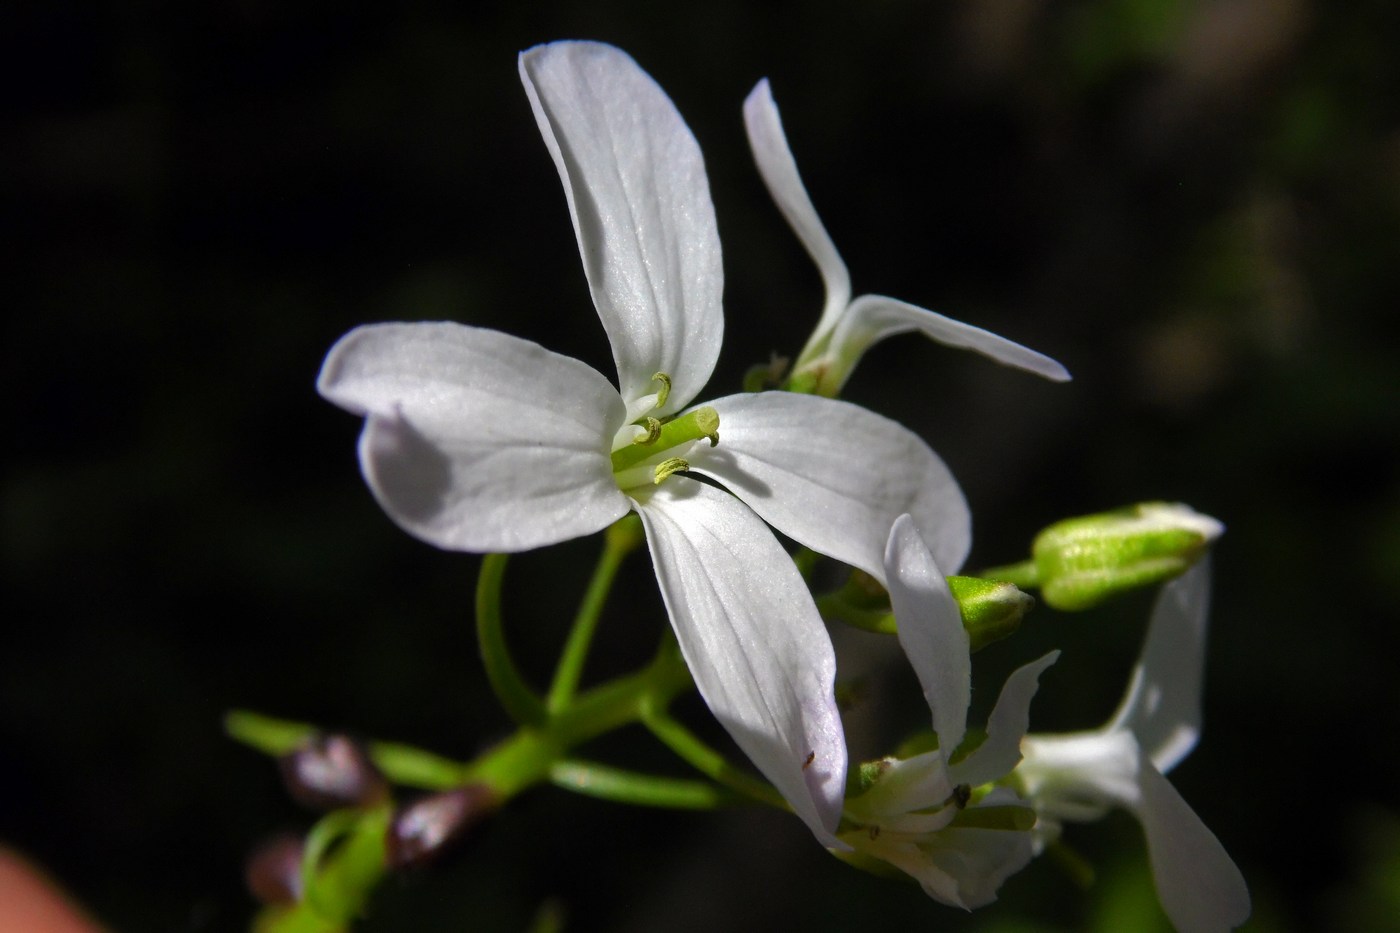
<point>666,467</point>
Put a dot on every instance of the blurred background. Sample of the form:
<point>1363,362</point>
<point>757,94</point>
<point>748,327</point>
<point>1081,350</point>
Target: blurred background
<point>1195,206</point>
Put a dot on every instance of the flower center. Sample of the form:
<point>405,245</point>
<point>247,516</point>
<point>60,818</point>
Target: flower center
<point>658,449</point>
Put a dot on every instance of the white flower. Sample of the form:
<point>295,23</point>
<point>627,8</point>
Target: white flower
<point>478,441</point>
<point>934,816</point>
<point>848,328</point>
<point>1079,776</point>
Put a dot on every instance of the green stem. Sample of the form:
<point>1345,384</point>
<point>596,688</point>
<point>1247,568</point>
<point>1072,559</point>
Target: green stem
<point>1023,575</point>
<point>519,700</point>
<point>646,790</point>
<point>618,542</point>
<point>837,608</point>
<point>707,761</point>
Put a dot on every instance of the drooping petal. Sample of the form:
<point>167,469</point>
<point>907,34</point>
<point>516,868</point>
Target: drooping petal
<point>475,440</point>
<point>872,318</point>
<point>960,866</point>
<point>1199,885</point>
<point>779,171</point>
<point>1006,726</point>
<point>753,640</point>
<point>835,476</point>
<point>980,860</point>
<point>641,208</point>
<point>930,631</point>
<point>1162,706</point>
<point>905,854</point>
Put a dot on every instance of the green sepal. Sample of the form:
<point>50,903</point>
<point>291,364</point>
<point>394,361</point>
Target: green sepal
<point>926,740</point>
<point>1008,818</point>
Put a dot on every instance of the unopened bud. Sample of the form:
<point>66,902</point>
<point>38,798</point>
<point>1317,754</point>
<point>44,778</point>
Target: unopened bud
<point>273,872</point>
<point>332,771</point>
<point>991,610</point>
<point>1080,562</point>
<point>423,830</point>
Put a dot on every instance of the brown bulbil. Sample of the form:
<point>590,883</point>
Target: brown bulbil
<point>333,771</point>
<point>273,872</point>
<point>423,830</point>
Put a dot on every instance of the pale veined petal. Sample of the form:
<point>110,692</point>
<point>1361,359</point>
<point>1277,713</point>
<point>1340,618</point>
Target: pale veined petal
<point>1162,706</point>
<point>1197,882</point>
<point>872,318</point>
<point>753,640</point>
<point>979,860</point>
<point>1078,775</point>
<point>779,171</point>
<point>1006,727</point>
<point>641,208</point>
<point>835,476</point>
<point>475,440</point>
<point>930,631</point>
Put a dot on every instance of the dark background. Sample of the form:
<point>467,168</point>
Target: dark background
<point>1194,206</point>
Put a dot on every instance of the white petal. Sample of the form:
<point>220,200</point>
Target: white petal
<point>1078,776</point>
<point>930,631</point>
<point>903,853</point>
<point>1198,884</point>
<point>754,642</point>
<point>1162,706</point>
<point>835,476</point>
<point>906,784</point>
<point>872,318</point>
<point>1006,727</point>
<point>779,171</point>
<point>640,203</point>
<point>476,440</point>
<point>980,860</point>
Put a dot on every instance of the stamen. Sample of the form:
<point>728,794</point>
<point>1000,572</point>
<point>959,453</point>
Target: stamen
<point>653,426</point>
<point>691,426</point>
<point>666,467</point>
<point>663,393</point>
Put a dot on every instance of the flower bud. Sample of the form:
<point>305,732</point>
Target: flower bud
<point>332,771</point>
<point>423,830</point>
<point>1080,562</point>
<point>991,610</point>
<point>273,872</point>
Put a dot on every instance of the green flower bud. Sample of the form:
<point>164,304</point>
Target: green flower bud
<point>1080,562</point>
<point>991,610</point>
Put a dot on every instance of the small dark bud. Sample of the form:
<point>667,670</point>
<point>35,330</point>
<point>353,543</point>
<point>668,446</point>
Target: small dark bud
<point>273,873</point>
<point>423,830</point>
<point>333,771</point>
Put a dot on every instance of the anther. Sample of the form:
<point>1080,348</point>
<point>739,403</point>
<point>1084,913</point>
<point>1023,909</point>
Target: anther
<point>664,392</point>
<point>653,426</point>
<point>666,467</point>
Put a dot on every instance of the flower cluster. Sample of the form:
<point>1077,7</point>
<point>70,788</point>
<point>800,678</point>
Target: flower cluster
<point>475,440</point>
